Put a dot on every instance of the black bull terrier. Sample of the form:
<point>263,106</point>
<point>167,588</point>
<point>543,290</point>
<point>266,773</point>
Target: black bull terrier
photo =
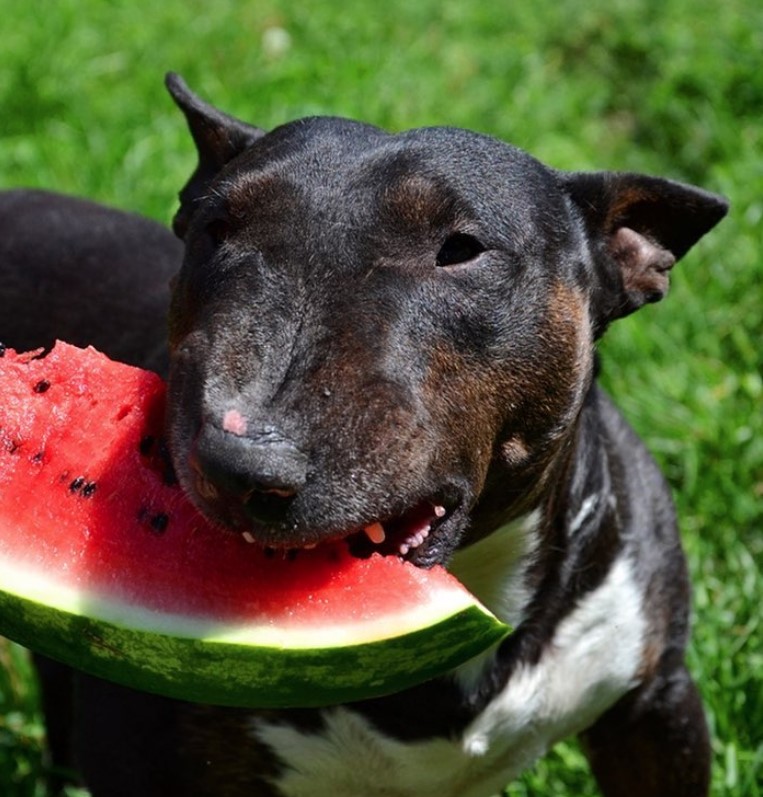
<point>370,328</point>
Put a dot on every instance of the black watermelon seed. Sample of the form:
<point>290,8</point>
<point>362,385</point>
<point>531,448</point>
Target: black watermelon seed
<point>41,386</point>
<point>160,522</point>
<point>89,490</point>
<point>269,552</point>
<point>146,444</point>
<point>2,349</point>
<point>37,458</point>
<point>77,484</point>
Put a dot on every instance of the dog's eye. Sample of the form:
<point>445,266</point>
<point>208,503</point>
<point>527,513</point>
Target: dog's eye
<point>218,230</point>
<point>459,248</point>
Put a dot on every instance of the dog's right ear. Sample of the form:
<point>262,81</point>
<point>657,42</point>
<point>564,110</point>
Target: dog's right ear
<point>218,137</point>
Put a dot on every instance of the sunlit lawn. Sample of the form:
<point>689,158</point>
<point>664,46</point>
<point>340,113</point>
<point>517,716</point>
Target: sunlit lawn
<point>673,88</point>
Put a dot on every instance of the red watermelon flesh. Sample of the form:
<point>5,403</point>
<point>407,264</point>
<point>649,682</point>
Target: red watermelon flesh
<point>89,508</point>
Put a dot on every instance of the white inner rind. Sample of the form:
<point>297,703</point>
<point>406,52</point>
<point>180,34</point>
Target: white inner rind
<point>41,588</point>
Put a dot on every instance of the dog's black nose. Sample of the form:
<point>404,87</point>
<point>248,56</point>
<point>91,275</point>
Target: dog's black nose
<point>262,469</point>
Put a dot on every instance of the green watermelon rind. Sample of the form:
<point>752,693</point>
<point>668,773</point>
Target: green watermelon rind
<point>189,668</point>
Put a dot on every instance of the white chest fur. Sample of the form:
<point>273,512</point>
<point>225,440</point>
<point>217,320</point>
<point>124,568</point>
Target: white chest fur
<point>593,660</point>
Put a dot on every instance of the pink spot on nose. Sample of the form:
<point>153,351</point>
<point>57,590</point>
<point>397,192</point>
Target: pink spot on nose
<point>234,422</point>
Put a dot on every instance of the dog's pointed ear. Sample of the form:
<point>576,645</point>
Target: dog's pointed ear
<point>638,227</point>
<point>218,137</point>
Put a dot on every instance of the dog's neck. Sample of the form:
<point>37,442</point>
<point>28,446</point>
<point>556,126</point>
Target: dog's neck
<point>526,571</point>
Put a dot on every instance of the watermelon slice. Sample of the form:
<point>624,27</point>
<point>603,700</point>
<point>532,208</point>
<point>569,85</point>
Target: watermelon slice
<point>105,565</point>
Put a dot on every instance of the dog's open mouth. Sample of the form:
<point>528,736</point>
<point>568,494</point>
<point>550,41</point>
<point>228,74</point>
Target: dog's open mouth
<point>402,536</point>
<point>406,536</point>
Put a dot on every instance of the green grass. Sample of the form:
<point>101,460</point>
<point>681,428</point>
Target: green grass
<point>666,87</point>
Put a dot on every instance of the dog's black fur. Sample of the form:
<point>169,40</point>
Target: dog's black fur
<point>77,271</point>
<point>396,323</point>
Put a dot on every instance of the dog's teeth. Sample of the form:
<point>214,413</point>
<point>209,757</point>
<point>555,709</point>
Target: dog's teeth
<point>247,536</point>
<point>310,546</point>
<point>420,536</point>
<point>414,541</point>
<point>375,533</point>
<point>439,511</point>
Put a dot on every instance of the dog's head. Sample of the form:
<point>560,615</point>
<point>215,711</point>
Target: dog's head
<point>369,328</point>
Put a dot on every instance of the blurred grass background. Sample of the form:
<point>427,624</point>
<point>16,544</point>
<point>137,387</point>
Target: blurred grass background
<point>670,87</point>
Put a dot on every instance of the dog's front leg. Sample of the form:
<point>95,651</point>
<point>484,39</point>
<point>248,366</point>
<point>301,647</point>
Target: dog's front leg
<point>654,742</point>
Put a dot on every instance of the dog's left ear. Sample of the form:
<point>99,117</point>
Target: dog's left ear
<point>218,137</point>
<point>638,227</point>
